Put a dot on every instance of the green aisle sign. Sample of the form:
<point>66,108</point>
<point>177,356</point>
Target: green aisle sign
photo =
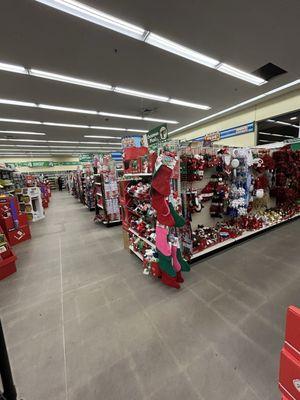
<point>157,135</point>
<point>88,157</point>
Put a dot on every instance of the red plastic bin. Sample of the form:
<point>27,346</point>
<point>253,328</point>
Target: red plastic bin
<point>19,235</point>
<point>7,264</point>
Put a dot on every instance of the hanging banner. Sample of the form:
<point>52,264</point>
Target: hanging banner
<point>212,137</point>
<point>239,130</point>
<point>226,133</point>
<point>33,164</point>
<point>157,135</point>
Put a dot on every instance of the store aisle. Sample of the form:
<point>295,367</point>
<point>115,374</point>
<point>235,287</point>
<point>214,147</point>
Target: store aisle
<point>82,321</point>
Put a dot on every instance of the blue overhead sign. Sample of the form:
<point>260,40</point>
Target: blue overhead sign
<point>236,131</point>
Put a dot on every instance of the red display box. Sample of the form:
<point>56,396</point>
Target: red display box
<point>19,235</point>
<point>289,373</point>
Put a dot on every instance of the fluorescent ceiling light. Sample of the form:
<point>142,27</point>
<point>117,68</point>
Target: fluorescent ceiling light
<point>68,109</point>
<point>84,147</point>
<point>20,121</point>
<point>65,125</point>
<point>167,121</point>
<point>24,140</point>
<point>82,111</point>
<point>106,114</point>
<point>97,17</point>
<point>7,145</point>
<point>17,103</point>
<point>286,136</point>
<point>237,106</point>
<point>116,143</point>
<point>293,118</point>
<point>62,141</point>
<point>137,130</point>
<point>138,93</point>
<point>188,104</point>
<point>276,134</point>
<point>68,79</point>
<point>179,50</point>
<point>107,128</point>
<point>12,68</point>
<point>24,133</point>
<point>283,123</point>
<point>102,137</point>
<point>102,86</point>
<point>245,76</point>
<point>29,145</point>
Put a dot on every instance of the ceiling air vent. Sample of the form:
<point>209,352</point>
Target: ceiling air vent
<point>269,71</point>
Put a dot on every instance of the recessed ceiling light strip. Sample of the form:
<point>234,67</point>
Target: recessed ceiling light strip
<point>95,16</point>
<point>23,133</point>
<point>90,14</point>
<point>82,111</point>
<point>102,86</point>
<point>63,125</point>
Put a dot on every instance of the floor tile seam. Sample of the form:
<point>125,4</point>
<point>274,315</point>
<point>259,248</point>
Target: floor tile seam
<point>267,322</point>
<point>160,336</point>
<point>250,309</point>
<point>227,275</point>
<point>63,322</point>
<point>133,369</point>
<point>230,364</point>
<point>181,369</point>
<point>86,285</point>
<point>236,328</point>
<point>26,307</point>
<point>33,337</point>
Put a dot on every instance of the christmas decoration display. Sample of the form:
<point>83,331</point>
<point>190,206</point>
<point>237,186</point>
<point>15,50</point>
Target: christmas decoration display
<point>199,199</point>
<point>242,190</point>
<point>106,191</point>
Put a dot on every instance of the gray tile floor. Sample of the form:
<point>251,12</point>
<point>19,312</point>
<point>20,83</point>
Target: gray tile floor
<point>82,321</point>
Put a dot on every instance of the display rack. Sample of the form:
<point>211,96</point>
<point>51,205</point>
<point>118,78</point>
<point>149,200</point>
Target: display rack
<point>222,196</point>
<point>31,198</point>
<point>89,193</point>
<point>232,194</point>
<point>107,208</point>
<point>6,179</point>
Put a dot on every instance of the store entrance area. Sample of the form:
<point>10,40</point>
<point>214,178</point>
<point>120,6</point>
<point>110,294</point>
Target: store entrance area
<point>82,321</point>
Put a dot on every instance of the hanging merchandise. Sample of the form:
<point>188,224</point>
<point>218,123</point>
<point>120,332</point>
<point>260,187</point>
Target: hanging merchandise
<point>151,211</point>
<point>243,190</point>
<point>191,200</point>
<point>106,192</point>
